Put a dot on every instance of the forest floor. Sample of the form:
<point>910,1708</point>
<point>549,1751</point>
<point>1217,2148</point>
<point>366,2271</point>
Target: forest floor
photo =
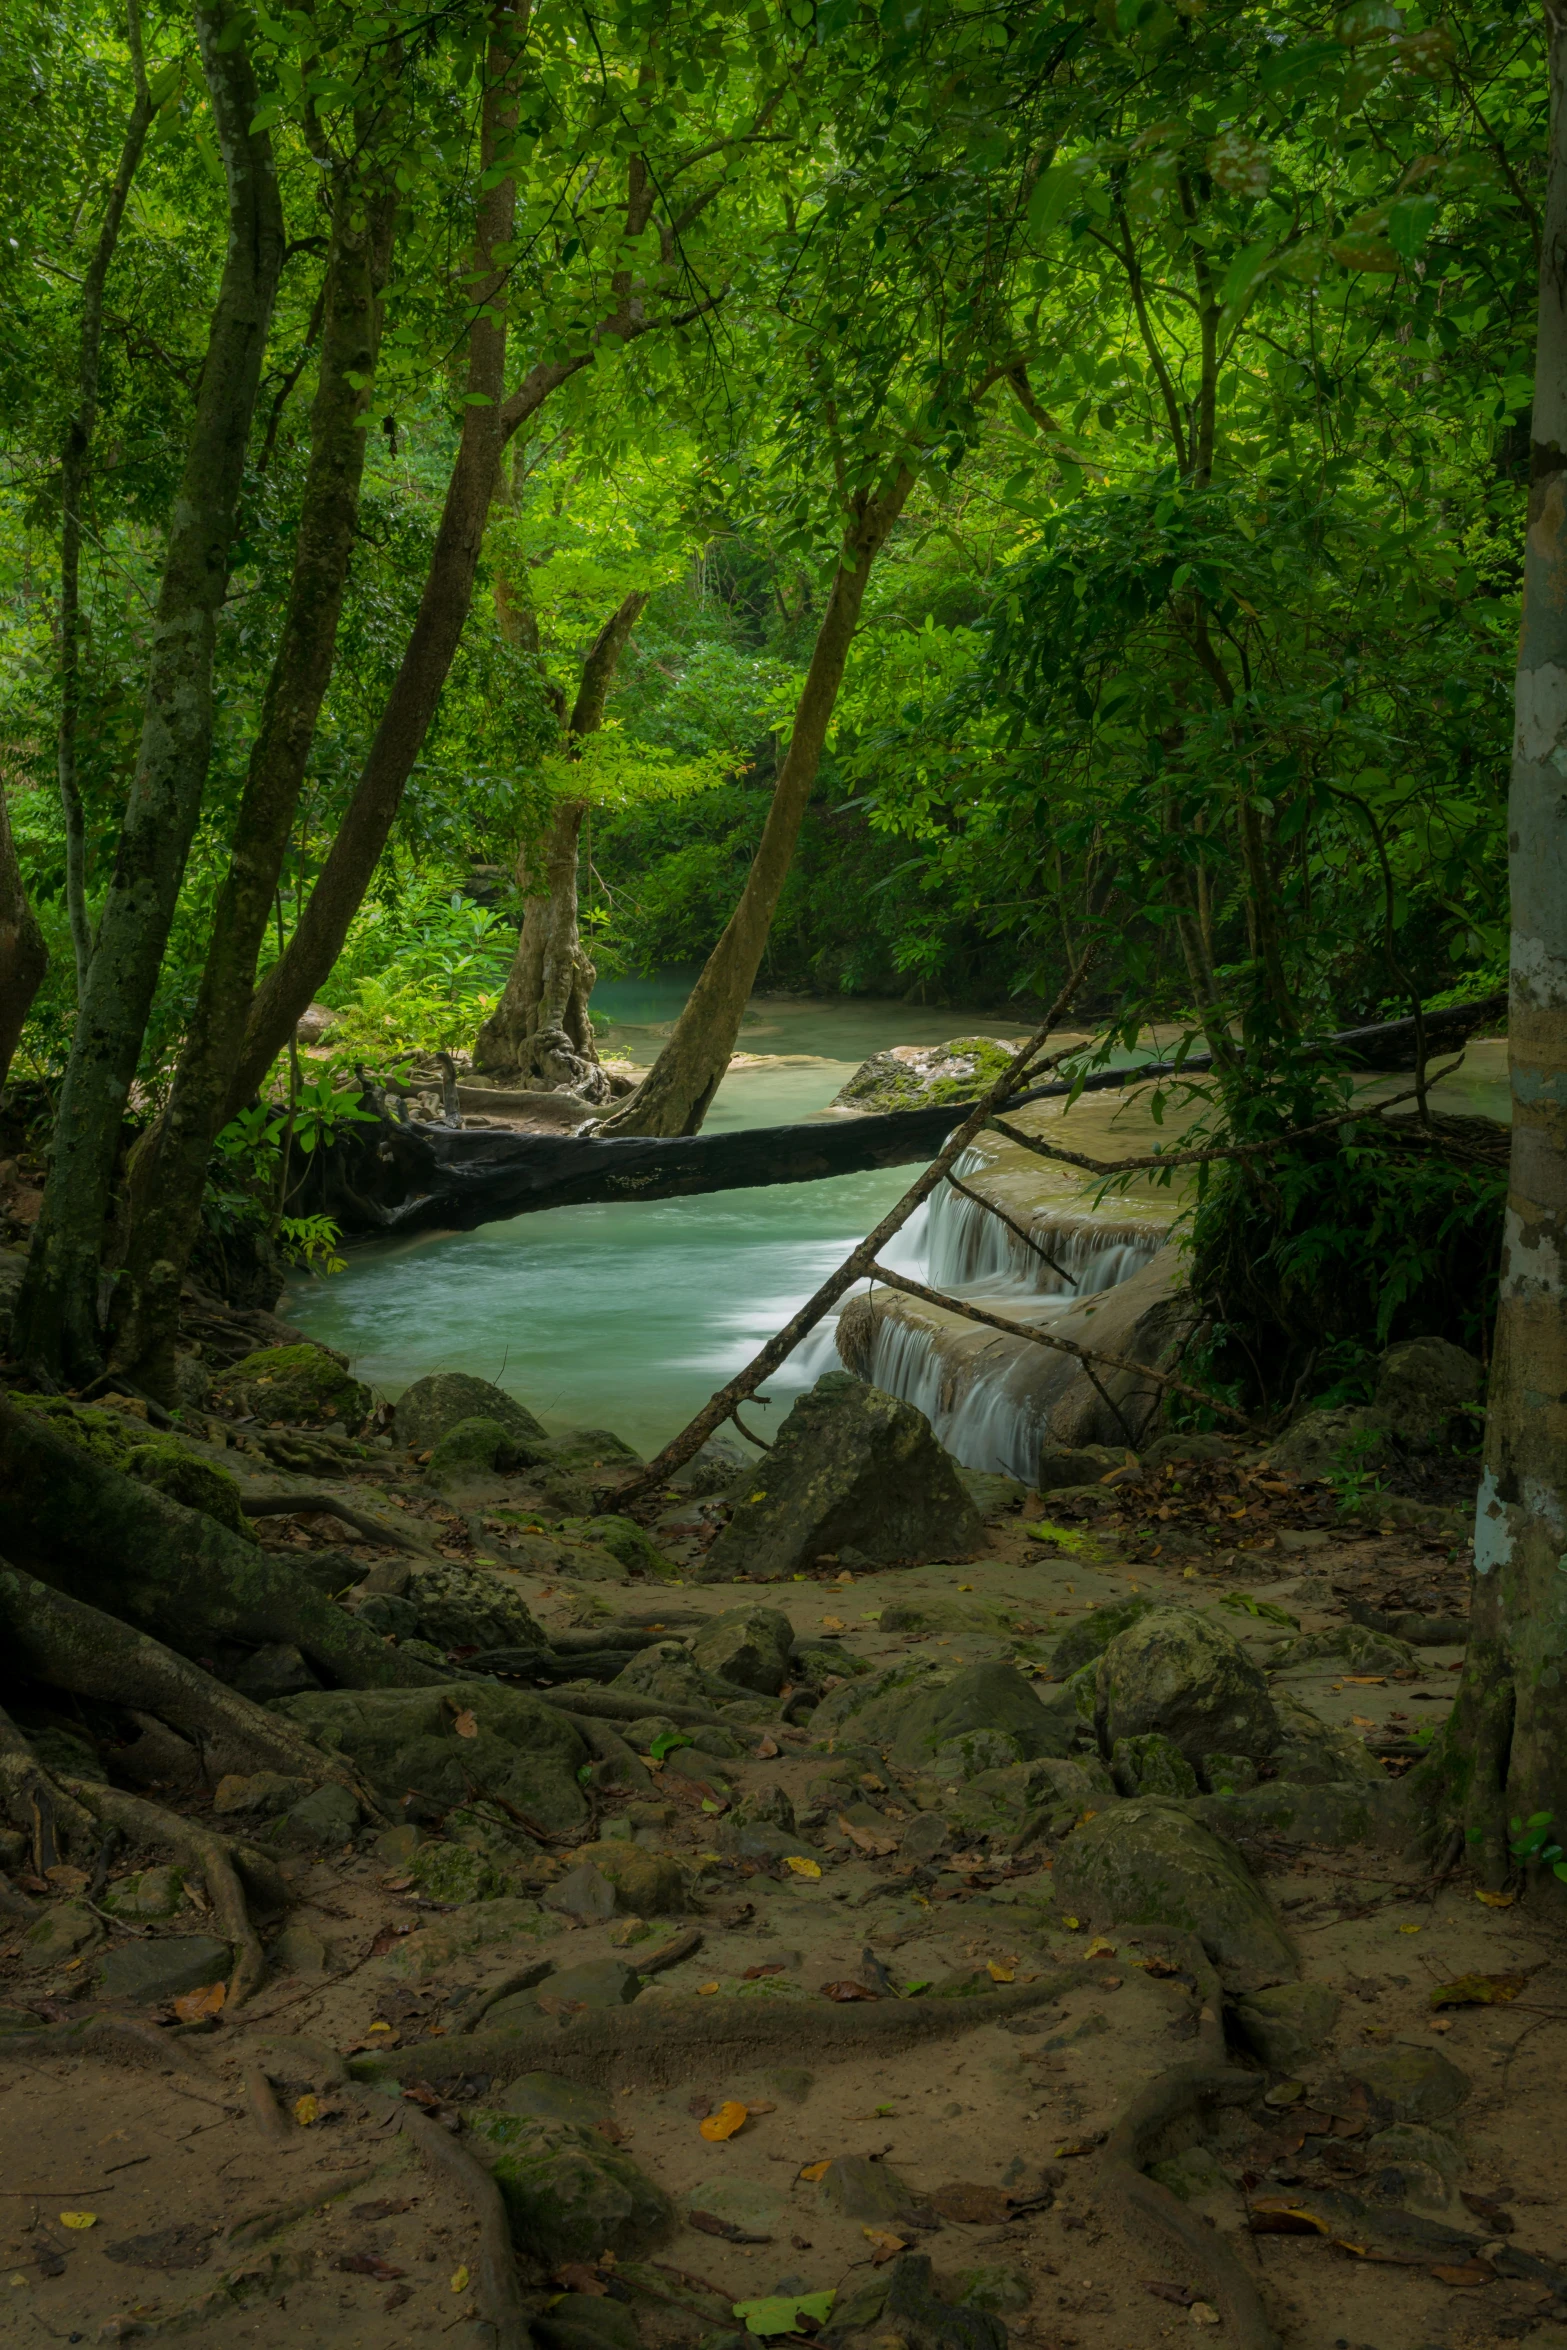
<point>170,2196</point>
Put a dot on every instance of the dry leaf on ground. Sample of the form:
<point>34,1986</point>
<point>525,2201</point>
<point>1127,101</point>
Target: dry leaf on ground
<point>847,1989</point>
<point>305,2110</point>
<point>465,1725</point>
<point>803,1867</point>
<point>731,2116</point>
<point>192,2006</point>
<point>886,2247</point>
<point>1479,1991</point>
<point>816,2170</point>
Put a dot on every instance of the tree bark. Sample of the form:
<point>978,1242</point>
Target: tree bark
<point>169,1170</point>
<point>57,1313</point>
<point>1501,1755</point>
<point>541,1031</point>
<point>674,1097</point>
<point>75,471</point>
<point>23,956</point>
<point>443,607</point>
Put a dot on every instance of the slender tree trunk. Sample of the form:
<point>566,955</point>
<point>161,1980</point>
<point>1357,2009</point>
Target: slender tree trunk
<point>443,607</point>
<point>75,471</point>
<point>23,956</point>
<point>57,1312</point>
<point>541,1031</point>
<point>675,1095</point>
<point>1504,1751</point>
<point>169,1169</point>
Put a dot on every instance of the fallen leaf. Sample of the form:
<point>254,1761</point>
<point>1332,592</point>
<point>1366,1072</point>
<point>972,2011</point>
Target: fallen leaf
<point>78,2219</point>
<point>1182,2294</point>
<point>766,1748</point>
<point>1160,1968</point>
<point>711,2225</point>
<point>459,2280</point>
<point>847,1989</point>
<point>1473,2272</point>
<point>367,2264</point>
<point>801,1866</point>
<point>1003,1974</point>
<point>816,2170</point>
<point>705,1990</point>
<point>781,2312</point>
<point>1100,1948</point>
<point>731,2116</point>
<point>577,2277</point>
<point>1081,2145</point>
<point>1365,1680</point>
<point>305,2110</point>
<point>866,1840</point>
<point>1409,1929</point>
<point>832,1623</point>
<point>1495,1900</point>
<point>1496,2216</point>
<point>754,1974</point>
<point>192,2006</point>
<point>1363,1721</point>
<point>887,2247</point>
<point>465,1725</point>
<point>1202,2313</point>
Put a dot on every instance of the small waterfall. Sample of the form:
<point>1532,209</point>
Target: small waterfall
<point>953,1244</point>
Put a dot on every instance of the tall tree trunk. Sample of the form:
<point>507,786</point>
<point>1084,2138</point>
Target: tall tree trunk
<point>675,1095</point>
<point>541,1031</point>
<point>75,471</point>
<point>56,1324</point>
<point>1504,1750</point>
<point>169,1169</point>
<point>443,607</point>
<point>23,956</point>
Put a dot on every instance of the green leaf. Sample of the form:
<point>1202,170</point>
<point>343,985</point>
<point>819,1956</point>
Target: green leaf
<point>1243,273</point>
<point>1053,194</point>
<point>666,1742</point>
<point>781,2312</point>
<point>1409,223</point>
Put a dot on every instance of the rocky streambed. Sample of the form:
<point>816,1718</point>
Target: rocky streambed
<point>845,1894</point>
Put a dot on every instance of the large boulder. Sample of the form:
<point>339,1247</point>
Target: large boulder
<point>569,2195</point>
<point>1180,1673</point>
<point>850,1467</point>
<point>1150,1863</point>
<point>1424,1385</point>
<point>458,1607</point>
<point>749,1646</point>
<point>984,1718</point>
<point>1347,1440</point>
<point>447,1741</point>
<point>666,1673</point>
<point>913,1076</point>
<point>303,1385</point>
<point>428,1410</point>
<point>1315,1753</point>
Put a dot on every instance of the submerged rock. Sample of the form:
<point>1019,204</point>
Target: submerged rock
<point>1179,1673</point>
<point>428,1410</point>
<point>1148,1862</point>
<point>850,1467</point>
<point>443,1741</point>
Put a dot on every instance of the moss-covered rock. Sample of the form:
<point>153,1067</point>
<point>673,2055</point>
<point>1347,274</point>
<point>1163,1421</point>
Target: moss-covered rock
<point>453,1874</point>
<point>303,1385</point>
<point>1286,2024</point>
<point>958,1725</point>
<point>917,1076</point>
<point>1148,1862</point>
<point>748,1646</point>
<point>471,1451</point>
<point>1092,1634</point>
<point>647,1884</point>
<point>1179,1673</point>
<point>444,1742</point>
<point>150,1893</point>
<point>627,1543</point>
<point>459,1607</point>
<point>427,1411</point>
<point>124,1442</point>
<point>666,1674</point>
<point>1151,1765</point>
<point>568,2194</point>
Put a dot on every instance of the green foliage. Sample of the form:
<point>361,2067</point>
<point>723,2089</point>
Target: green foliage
<point>1534,1846</point>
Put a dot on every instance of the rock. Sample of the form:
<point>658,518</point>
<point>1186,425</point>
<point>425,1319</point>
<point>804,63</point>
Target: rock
<point>855,2187</point>
<point>299,1950</point>
<point>321,1821</point>
<point>745,2203</point>
<point>194,1483</point>
<point>468,1607</point>
<point>583,1893</point>
<point>425,1412</point>
<point>718,1465</point>
<point>924,1838</point>
<point>584,2321</point>
<point>850,1465</point>
<point>1408,2084</point>
<point>1148,1862</point>
<point>748,1646</point>
<point>667,1672</point>
<point>1342,1812</point>
<point>1227,1774</point>
<point>980,1703</point>
<point>913,2313</point>
<point>823,1660</point>
<point>301,1384</point>
<point>1092,1634</point>
<point>629,1544</point>
<point>1189,1445</point>
<point>152,1973</point>
<point>1357,1648</point>
<point>546,2097</point>
<point>265,1792</point>
<point>395,1847</point>
<point>997,2287</point>
<point>430,1953</point>
<point>568,2194</point>
<point>916,1076</point>
<point>1423,1385</point>
<point>993,1495</point>
<point>192,1383</point>
<point>1286,2025</point>
<point>314,1021</point>
<point>1315,1753</point>
<point>408,1741</point>
<point>471,1452</point>
<point>1194,2176</point>
<point>1414,2166</point>
<point>65,1928</point>
<point>767,1806</point>
<point>275,1671</point>
<point>647,1884</point>
<point>1322,1444</point>
<point>452,1874</point>
<point>1064,1465</point>
<point>152,1893</point>
<point>1180,1673</point>
<point>1151,1765</point>
<point>597,1983</point>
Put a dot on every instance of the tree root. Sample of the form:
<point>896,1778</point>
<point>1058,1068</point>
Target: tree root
<point>612,1708</point>
<point>659,2043</point>
<point>329,1505</point>
<point>1144,2204</point>
<point>607,1746</point>
<point>112,2039</point>
<point>78,1648</point>
<point>496,2292</point>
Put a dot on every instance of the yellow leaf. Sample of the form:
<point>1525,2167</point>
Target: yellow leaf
<point>705,1988</point>
<point>1072,1925</point>
<point>1100,1948</point>
<point>465,1725</point>
<point>460,2280</point>
<point>724,2123</point>
<point>832,1623</point>
<point>1409,1929</point>
<point>965,1586</point>
<point>305,2110</point>
<point>1496,1900</point>
<point>1000,1974</point>
<point>803,1867</point>
<point>886,2245</point>
<point>78,2219</point>
<point>380,2027</point>
<point>816,2170</point>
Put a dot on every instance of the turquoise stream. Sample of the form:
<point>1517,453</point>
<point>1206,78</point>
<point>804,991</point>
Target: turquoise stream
<point>628,1316</point>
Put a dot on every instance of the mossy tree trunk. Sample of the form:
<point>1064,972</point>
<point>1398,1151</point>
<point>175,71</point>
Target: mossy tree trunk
<point>57,1314</point>
<point>24,958</point>
<point>541,1031</point>
<point>677,1091</point>
<point>1503,1755</point>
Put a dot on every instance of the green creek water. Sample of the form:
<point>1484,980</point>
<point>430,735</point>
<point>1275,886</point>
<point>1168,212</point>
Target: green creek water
<point>628,1316</point>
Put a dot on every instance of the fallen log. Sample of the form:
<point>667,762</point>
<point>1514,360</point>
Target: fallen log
<point>398,1177</point>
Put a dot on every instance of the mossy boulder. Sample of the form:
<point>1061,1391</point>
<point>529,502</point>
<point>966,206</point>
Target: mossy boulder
<point>303,1385</point>
<point>569,2195</point>
<point>956,1726</point>
<point>1352,1646</point>
<point>126,1443</point>
<point>917,1076</point>
<point>748,1646</point>
<point>666,1674</point>
<point>851,1467</point>
<point>1312,1752</point>
<point>1179,1673</point>
<point>150,1893</point>
<point>445,1741</point>
<point>1092,1634</point>
<point>453,1873</point>
<point>432,1407</point>
<point>1151,1765</point>
<point>646,1884</point>
<point>472,1451</point>
<point>459,1607</point>
<point>1286,2024</point>
<point>629,1544</point>
<point>1148,1862</point>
